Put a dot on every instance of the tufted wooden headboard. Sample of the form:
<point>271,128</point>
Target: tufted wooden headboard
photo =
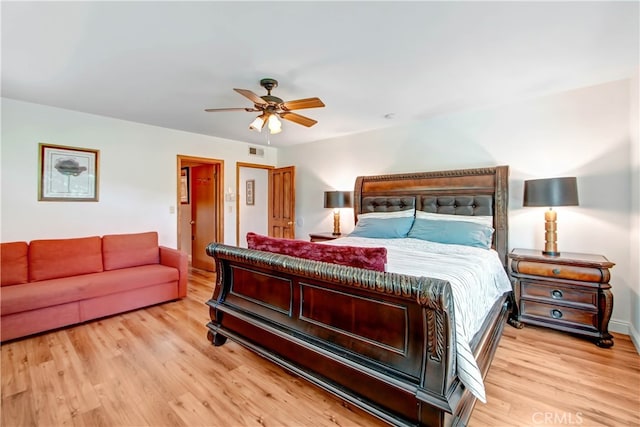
<point>481,191</point>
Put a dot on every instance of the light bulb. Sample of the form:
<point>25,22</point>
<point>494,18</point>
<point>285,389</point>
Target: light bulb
<point>258,123</point>
<point>274,124</point>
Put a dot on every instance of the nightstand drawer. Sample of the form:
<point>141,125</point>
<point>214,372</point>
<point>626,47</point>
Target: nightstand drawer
<point>571,272</point>
<point>559,314</point>
<point>560,294</point>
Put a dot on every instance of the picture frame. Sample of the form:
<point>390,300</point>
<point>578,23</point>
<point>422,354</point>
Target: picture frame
<point>250,193</point>
<point>67,174</point>
<point>184,186</point>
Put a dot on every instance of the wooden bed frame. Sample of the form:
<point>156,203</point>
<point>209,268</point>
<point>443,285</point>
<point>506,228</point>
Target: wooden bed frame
<point>384,342</point>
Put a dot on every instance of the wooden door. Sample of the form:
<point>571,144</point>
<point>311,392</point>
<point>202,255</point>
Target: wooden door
<point>203,215</point>
<point>282,202</point>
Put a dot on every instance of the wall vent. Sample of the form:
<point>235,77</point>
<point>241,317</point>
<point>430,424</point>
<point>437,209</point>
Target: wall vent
<point>255,151</point>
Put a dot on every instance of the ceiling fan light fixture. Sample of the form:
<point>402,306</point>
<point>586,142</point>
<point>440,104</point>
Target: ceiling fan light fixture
<point>275,126</point>
<point>258,123</point>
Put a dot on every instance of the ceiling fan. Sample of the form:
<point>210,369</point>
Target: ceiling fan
<point>272,108</point>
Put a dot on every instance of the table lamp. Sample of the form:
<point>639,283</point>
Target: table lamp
<point>337,200</point>
<point>551,192</point>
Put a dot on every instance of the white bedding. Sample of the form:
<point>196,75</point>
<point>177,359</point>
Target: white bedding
<point>477,279</point>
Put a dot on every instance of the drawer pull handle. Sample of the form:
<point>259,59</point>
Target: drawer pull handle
<point>556,271</point>
<point>556,294</point>
<point>556,314</point>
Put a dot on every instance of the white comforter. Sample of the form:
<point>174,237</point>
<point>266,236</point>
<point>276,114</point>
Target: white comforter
<point>477,279</point>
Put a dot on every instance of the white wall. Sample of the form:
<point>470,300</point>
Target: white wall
<point>582,133</point>
<point>138,174</point>
<point>253,217</point>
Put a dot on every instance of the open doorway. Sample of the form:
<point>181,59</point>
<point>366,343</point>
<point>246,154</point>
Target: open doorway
<point>200,208</point>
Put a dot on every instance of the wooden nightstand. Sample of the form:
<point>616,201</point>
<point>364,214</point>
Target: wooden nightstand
<point>323,237</point>
<point>569,292</point>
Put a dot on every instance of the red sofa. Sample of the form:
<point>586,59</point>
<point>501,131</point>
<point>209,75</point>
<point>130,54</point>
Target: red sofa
<point>47,284</point>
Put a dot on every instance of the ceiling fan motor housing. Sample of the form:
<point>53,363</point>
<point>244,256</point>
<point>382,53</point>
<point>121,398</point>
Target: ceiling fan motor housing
<point>272,99</point>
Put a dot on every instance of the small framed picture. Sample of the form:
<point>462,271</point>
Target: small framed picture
<point>67,174</point>
<point>184,186</point>
<point>251,188</point>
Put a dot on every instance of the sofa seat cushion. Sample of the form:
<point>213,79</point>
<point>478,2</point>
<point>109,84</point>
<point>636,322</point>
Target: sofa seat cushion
<point>14,264</point>
<point>51,259</point>
<point>130,250</point>
<point>30,322</point>
<point>52,292</point>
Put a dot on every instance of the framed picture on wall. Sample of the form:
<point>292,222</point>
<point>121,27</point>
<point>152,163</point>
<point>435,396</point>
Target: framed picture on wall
<point>67,174</point>
<point>251,188</point>
<point>184,186</point>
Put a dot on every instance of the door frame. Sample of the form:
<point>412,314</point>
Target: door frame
<point>187,161</point>
<point>238,205</point>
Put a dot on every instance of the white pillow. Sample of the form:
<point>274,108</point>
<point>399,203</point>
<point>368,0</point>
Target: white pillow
<point>395,214</point>
<point>478,219</point>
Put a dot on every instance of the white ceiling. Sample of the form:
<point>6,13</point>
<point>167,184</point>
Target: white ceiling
<point>163,63</point>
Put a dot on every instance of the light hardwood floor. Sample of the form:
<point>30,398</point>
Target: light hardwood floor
<point>155,367</point>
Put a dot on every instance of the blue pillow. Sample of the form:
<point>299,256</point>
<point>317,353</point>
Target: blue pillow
<point>382,228</point>
<point>452,232</point>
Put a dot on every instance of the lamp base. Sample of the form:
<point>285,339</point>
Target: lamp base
<point>336,222</point>
<point>550,236</point>
<point>336,234</point>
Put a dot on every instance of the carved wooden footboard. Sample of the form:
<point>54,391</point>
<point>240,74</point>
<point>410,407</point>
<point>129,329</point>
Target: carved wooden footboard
<point>384,342</point>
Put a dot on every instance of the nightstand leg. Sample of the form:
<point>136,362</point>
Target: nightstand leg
<point>513,321</point>
<point>606,307</point>
<point>515,313</point>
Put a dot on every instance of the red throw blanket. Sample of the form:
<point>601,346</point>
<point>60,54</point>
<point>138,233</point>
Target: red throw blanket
<point>354,256</point>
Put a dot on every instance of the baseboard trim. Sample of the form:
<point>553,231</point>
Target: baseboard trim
<point>635,337</point>
<point>620,327</point>
<point>626,328</point>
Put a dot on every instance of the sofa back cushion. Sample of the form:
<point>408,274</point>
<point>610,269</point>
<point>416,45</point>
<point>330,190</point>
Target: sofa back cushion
<point>14,264</point>
<point>51,259</point>
<point>130,250</point>
<point>354,256</point>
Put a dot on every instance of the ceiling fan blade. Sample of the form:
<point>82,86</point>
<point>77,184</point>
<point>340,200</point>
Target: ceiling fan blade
<point>299,104</point>
<point>213,110</point>
<point>252,96</point>
<point>297,118</point>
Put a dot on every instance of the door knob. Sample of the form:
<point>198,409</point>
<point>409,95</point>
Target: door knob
<point>290,223</point>
<point>192,222</point>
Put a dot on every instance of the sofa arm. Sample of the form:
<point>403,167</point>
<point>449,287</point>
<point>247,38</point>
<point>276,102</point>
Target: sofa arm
<point>177,259</point>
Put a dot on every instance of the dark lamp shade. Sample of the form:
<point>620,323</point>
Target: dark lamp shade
<point>551,192</point>
<point>337,199</point>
